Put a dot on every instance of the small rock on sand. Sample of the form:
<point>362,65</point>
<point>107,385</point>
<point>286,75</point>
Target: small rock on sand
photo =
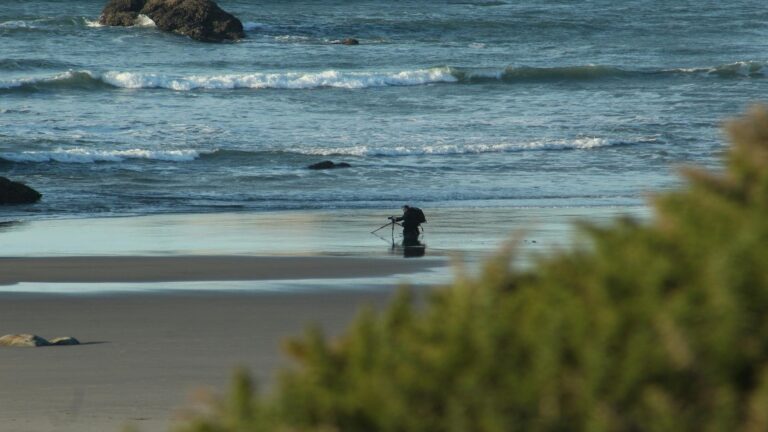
<point>30,340</point>
<point>65,340</point>
<point>23,340</point>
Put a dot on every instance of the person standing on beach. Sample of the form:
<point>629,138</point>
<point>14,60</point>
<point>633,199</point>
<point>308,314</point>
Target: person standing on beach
<point>412,218</point>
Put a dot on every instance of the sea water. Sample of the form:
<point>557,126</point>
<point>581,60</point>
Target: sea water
<point>444,104</point>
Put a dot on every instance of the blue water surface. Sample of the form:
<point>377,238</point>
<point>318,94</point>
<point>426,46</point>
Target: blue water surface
<point>444,104</point>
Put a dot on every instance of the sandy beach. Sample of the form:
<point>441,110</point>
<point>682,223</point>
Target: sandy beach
<point>145,355</point>
<point>169,304</point>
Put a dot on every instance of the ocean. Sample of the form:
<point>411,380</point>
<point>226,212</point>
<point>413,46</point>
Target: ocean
<point>444,104</point>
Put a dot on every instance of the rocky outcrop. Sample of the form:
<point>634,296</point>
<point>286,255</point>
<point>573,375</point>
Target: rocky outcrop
<point>30,340</point>
<point>328,165</point>
<point>201,20</point>
<point>121,12</point>
<point>12,192</point>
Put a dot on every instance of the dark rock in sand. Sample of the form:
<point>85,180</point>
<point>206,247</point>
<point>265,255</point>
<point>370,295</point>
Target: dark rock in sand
<point>23,340</point>
<point>12,192</point>
<point>201,20</point>
<point>30,340</point>
<point>328,165</point>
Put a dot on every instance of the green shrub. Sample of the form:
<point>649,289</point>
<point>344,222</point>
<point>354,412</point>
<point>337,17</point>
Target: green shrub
<point>650,327</point>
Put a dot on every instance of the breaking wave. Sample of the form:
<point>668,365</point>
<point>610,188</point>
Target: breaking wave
<point>65,80</point>
<point>287,80</point>
<point>16,24</point>
<point>360,80</point>
<point>743,69</point>
<point>92,23</point>
<point>48,24</point>
<point>83,156</point>
<point>455,149</point>
<point>80,155</point>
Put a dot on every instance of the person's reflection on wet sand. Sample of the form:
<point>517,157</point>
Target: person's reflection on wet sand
<point>413,248</point>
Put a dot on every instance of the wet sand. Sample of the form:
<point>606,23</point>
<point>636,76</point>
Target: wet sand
<point>149,348</point>
<point>96,269</point>
<point>145,354</point>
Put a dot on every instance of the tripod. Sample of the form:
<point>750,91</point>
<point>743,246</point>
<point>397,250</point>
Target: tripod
<point>391,223</point>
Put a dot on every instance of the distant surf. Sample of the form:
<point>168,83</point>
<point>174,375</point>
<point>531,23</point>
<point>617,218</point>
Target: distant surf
<point>81,155</point>
<point>483,102</point>
<point>79,79</point>
<point>84,155</point>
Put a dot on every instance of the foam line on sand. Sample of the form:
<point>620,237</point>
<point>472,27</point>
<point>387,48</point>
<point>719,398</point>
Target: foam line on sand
<point>101,269</point>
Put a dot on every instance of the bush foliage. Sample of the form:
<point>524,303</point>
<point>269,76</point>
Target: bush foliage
<point>659,326</point>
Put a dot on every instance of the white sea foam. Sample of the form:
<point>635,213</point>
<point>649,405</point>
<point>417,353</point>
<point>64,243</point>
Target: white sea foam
<point>286,80</point>
<point>292,38</point>
<point>741,69</point>
<point>496,74</point>
<point>140,21</point>
<point>93,23</point>
<point>81,155</point>
<point>359,80</point>
<point>18,24</point>
<point>143,21</point>
<point>451,149</point>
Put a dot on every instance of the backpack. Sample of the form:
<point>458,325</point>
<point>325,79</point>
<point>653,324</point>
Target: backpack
<point>419,215</point>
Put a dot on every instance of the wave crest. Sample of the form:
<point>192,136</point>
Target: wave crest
<point>81,155</point>
<point>65,80</point>
<point>84,156</point>
<point>525,73</point>
<point>457,149</point>
<point>286,80</point>
<point>17,24</point>
<point>360,80</point>
<point>742,69</point>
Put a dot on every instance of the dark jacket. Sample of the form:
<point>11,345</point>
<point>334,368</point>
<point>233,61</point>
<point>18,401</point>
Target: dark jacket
<point>411,220</point>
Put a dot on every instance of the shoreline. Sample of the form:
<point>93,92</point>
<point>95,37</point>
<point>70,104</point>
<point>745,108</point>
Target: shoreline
<point>342,232</point>
<point>198,268</point>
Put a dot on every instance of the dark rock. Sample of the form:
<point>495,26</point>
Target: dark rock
<point>12,192</point>
<point>121,12</point>
<point>328,165</point>
<point>347,41</point>
<point>201,20</point>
